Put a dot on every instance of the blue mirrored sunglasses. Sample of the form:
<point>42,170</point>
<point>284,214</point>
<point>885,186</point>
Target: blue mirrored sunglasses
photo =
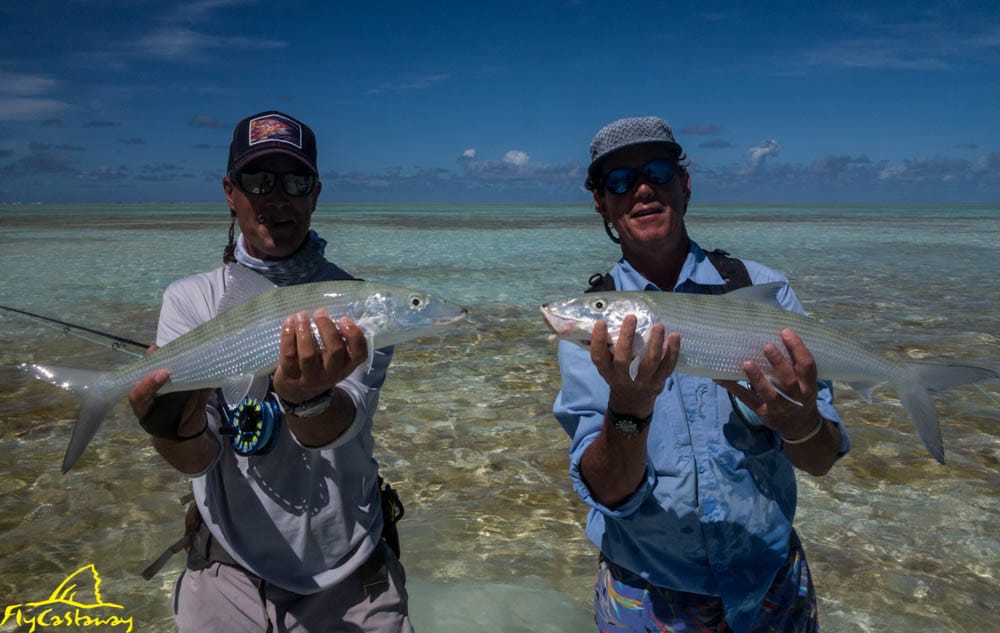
<point>621,180</point>
<point>261,183</point>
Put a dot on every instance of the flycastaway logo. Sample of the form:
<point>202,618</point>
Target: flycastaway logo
<point>65,609</point>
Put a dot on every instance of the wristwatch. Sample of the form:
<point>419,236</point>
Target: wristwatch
<point>628,425</point>
<point>308,408</point>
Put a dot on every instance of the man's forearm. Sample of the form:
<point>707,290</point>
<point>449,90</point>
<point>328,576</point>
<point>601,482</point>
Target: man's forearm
<point>189,456</point>
<point>614,464</point>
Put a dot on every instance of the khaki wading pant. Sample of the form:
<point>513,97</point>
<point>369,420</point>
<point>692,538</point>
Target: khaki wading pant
<point>225,599</point>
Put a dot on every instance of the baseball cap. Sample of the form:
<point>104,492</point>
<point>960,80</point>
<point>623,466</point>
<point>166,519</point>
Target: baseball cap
<point>271,132</point>
<point>626,133</point>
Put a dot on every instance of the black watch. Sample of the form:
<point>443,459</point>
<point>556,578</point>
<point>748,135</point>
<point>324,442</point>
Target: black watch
<point>629,425</point>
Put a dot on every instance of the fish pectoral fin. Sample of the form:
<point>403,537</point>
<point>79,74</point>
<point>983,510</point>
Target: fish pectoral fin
<point>864,390</point>
<point>760,293</point>
<point>785,395</point>
<point>633,368</point>
<point>370,345</point>
<point>235,389</point>
<point>638,348</point>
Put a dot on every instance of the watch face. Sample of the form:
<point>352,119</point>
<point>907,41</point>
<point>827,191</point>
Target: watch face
<point>626,426</point>
<point>629,425</point>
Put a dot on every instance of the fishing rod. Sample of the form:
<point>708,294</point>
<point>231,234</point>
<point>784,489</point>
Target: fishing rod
<point>118,344</point>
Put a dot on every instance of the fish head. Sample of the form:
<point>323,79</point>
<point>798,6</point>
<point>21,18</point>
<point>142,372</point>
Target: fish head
<point>397,314</point>
<point>573,319</point>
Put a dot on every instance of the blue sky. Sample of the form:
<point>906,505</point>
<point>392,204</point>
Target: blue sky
<point>133,100</point>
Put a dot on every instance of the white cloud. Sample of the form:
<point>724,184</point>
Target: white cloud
<point>469,153</point>
<point>759,152</point>
<point>988,166</point>
<point>516,157</point>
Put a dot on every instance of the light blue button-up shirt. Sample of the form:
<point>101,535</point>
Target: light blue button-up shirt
<point>714,512</point>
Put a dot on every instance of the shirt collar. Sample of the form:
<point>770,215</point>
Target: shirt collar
<point>696,271</point>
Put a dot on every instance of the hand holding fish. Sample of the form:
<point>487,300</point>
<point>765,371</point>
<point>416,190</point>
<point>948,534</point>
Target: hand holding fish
<point>305,369</point>
<point>784,395</point>
<point>784,398</point>
<point>188,422</point>
<point>173,419</point>
<point>636,395</point>
<point>174,415</point>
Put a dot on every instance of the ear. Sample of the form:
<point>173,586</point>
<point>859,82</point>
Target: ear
<point>686,183</point>
<point>228,187</point>
<point>599,204</point>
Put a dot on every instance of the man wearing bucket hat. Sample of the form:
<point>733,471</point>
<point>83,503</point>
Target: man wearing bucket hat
<point>292,534</point>
<point>690,482</point>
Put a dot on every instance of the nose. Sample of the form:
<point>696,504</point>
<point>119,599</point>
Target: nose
<point>644,189</point>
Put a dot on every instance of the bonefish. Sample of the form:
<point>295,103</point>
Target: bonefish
<point>720,332</point>
<point>242,342</point>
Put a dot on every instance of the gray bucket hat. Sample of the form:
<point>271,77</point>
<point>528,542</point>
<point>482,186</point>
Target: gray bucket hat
<point>626,133</point>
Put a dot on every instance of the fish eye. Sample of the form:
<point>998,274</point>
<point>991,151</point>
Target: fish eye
<point>416,301</point>
<point>599,304</point>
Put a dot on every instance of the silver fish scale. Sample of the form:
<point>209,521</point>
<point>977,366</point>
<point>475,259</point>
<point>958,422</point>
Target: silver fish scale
<point>717,336</point>
<point>244,340</point>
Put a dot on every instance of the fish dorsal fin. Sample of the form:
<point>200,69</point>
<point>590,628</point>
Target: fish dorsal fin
<point>242,285</point>
<point>761,293</point>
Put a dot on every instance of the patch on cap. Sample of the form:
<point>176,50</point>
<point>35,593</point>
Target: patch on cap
<point>274,127</point>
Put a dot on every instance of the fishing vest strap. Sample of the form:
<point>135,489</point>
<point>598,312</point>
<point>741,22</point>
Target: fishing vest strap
<point>732,270</point>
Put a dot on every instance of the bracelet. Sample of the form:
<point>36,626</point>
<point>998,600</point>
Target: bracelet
<point>812,434</point>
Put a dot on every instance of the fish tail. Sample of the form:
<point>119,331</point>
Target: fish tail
<point>98,399</point>
<point>938,376</point>
<point>920,407</point>
<point>923,380</point>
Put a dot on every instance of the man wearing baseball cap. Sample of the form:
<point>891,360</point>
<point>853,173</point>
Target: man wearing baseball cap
<point>292,534</point>
<point>690,482</point>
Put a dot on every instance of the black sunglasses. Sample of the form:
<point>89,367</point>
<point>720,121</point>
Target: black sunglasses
<point>621,180</point>
<point>261,183</point>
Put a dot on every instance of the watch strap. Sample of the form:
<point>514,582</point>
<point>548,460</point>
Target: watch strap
<point>308,408</point>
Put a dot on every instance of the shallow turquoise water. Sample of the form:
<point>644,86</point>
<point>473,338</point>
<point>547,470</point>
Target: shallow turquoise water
<point>465,431</point>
